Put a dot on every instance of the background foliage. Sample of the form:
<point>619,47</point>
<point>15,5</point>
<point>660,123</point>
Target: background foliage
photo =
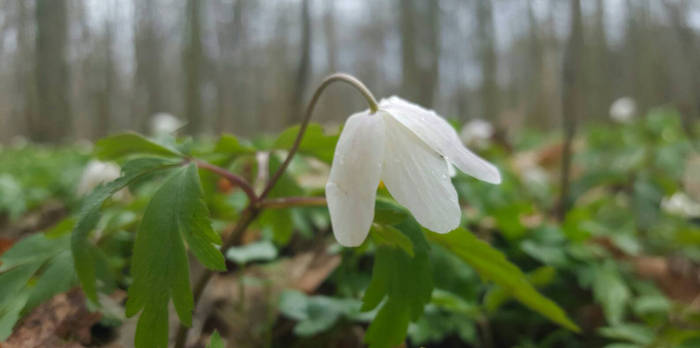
<point>620,269</point>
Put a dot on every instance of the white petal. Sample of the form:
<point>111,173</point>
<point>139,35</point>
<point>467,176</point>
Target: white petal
<point>440,136</point>
<point>352,184</point>
<point>416,176</point>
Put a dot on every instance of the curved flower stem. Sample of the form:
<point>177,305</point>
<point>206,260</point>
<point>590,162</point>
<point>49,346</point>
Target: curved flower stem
<point>338,77</point>
<point>258,202</point>
<point>286,202</point>
<point>233,178</point>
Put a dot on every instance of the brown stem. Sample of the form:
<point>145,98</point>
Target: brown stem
<point>305,123</point>
<point>286,202</point>
<point>233,178</point>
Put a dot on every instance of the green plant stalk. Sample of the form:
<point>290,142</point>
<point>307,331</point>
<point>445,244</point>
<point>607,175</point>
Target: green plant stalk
<point>258,202</point>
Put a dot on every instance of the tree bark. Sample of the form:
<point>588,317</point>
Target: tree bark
<point>193,67</point>
<point>53,121</point>
<point>571,102</point>
<point>420,49</point>
<point>488,59</point>
<point>304,67</point>
<point>148,90</point>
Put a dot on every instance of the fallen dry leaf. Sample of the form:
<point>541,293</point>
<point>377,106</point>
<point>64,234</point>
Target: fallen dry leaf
<point>64,321</point>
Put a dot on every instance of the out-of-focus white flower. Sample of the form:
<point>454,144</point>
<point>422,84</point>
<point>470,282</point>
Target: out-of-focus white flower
<point>404,146</point>
<point>536,175</point>
<point>163,123</point>
<point>623,110</point>
<point>680,204</point>
<point>98,172</point>
<point>476,132</point>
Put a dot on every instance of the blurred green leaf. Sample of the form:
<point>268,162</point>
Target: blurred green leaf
<point>315,143</point>
<point>229,144</point>
<point>390,236</point>
<point>160,266</point>
<point>33,270</point>
<point>610,290</point>
<point>406,283</point>
<point>492,265</point>
<point>633,333</point>
<point>215,341</point>
<point>120,145</point>
<point>316,314</point>
<point>277,225</point>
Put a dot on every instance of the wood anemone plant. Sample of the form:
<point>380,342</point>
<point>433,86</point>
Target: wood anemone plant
<point>407,146</point>
<point>258,202</point>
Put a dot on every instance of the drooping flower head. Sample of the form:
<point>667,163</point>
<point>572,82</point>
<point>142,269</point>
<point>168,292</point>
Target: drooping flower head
<point>405,146</point>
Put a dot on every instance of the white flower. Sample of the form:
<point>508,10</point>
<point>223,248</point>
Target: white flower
<point>682,205</point>
<point>405,146</point>
<point>623,110</point>
<point>163,123</point>
<point>476,132</point>
<point>98,172</point>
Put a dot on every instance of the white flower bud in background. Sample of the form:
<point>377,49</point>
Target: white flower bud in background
<point>682,205</point>
<point>164,124</point>
<point>623,110</point>
<point>98,172</point>
<point>476,132</point>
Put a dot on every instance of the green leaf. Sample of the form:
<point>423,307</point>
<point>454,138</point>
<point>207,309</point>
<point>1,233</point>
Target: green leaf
<point>34,248</point>
<point>611,292</point>
<point>215,341</point>
<point>314,143</point>
<point>390,236</point>
<point>406,283</point>
<point>21,287</point>
<point>492,265</point>
<point>229,144</point>
<point>84,252</point>
<point>10,313</point>
<point>120,145</point>
<point>277,224</point>
<point>388,212</point>
<point>633,333</point>
<point>258,251</point>
<point>58,277</point>
<point>159,265</point>
<point>316,314</point>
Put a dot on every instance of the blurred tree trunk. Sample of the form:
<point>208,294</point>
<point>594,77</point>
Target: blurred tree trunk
<point>53,121</point>
<point>572,100</point>
<point>302,72</point>
<point>104,91</point>
<point>534,77</point>
<point>640,54</point>
<point>598,66</point>
<point>229,99</point>
<point>24,69</point>
<point>193,67</point>
<point>488,59</point>
<point>690,94</point>
<point>420,49</point>
<point>331,40</point>
<point>148,90</point>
